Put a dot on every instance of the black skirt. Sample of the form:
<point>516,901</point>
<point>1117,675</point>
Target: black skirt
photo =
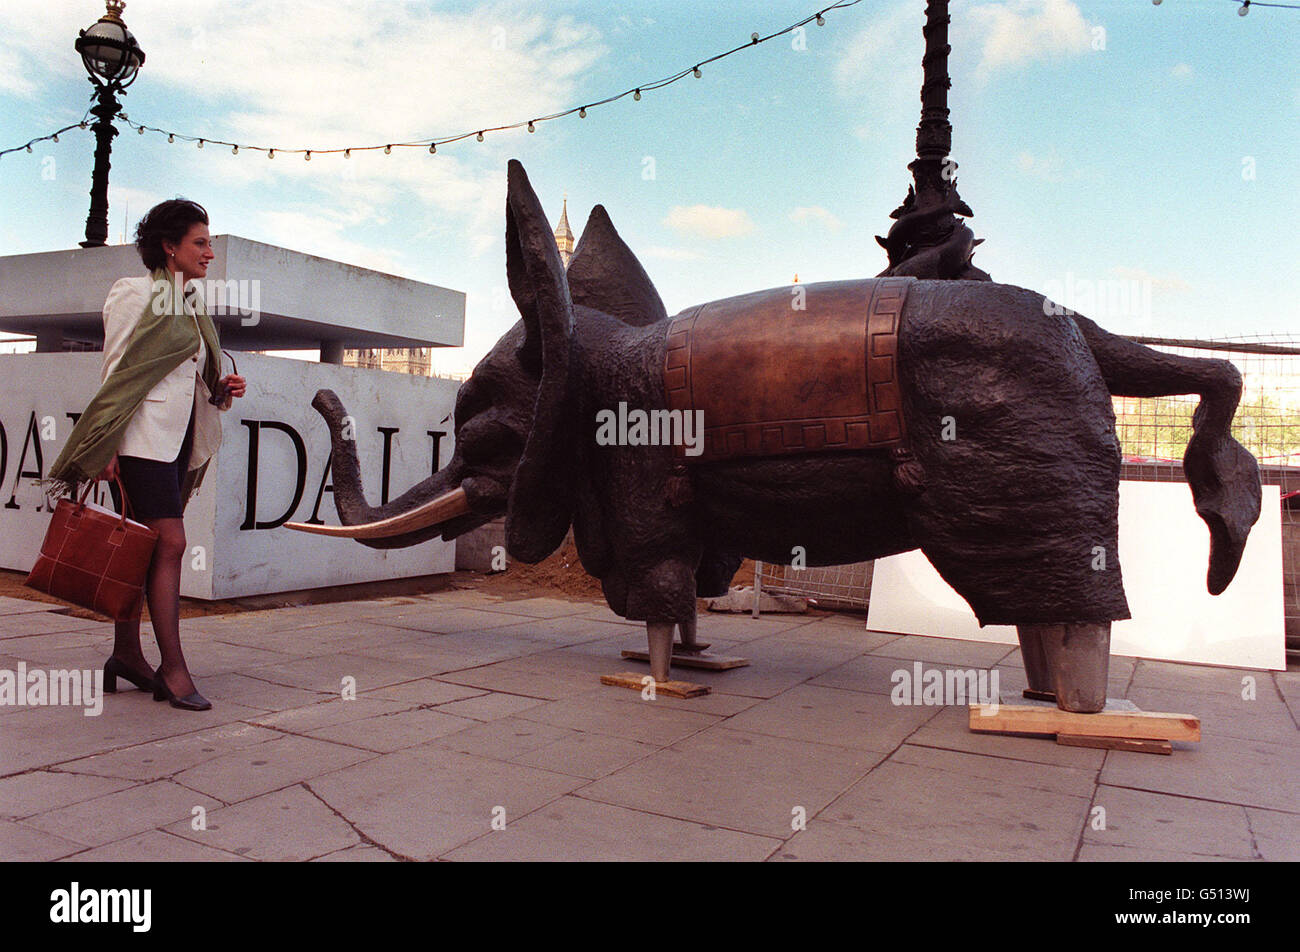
<point>154,487</point>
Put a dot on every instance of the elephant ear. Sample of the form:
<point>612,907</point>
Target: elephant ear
<point>540,507</point>
<point>605,276</point>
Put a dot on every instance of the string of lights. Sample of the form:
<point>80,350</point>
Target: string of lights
<point>432,144</point>
<point>1243,7</point>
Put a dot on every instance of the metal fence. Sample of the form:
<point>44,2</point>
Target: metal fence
<point>1153,434</point>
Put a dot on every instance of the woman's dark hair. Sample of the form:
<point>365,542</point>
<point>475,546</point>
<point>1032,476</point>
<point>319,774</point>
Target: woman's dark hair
<point>167,221</point>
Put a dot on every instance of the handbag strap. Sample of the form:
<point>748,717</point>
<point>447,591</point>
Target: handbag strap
<point>126,500</point>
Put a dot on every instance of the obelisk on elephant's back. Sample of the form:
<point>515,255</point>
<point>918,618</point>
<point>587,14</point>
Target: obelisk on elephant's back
<point>928,240</point>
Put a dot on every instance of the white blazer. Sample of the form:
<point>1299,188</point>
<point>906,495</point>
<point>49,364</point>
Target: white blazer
<point>158,428</point>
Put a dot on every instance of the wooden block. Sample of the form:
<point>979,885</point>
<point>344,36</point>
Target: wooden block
<point>1139,744</point>
<point>709,662</point>
<point>1018,719</point>
<point>630,679</point>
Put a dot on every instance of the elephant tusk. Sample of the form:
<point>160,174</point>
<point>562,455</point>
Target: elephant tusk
<point>442,509</point>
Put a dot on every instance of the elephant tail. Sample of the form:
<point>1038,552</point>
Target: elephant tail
<point>1223,475</point>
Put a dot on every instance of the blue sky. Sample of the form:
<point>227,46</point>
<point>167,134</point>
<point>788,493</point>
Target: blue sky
<point>1100,142</point>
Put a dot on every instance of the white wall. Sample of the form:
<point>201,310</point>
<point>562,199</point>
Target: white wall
<point>230,556</point>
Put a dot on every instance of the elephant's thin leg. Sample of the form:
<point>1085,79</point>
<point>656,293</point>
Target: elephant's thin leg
<point>687,629</point>
<point>1078,656</point>
<point>660,634</point>
<point>1031,651</point>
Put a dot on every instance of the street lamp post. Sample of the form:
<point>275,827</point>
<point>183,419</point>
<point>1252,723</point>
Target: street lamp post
<point>928,240</point>
<point>113,59</point>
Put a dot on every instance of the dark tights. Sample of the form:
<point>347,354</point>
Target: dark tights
<point>163,593</point>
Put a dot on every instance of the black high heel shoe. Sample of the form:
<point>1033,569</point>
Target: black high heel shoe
<point>114,669</point>
<point>190,702</point>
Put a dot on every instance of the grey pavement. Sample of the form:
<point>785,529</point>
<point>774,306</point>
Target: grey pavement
<point>463,725</point>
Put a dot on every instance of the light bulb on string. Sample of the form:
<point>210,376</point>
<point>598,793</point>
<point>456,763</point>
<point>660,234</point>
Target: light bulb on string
<point>29,147</point>
<point>531,127</point>
<point>582,113</point>
<point>55,137</point>
<point>1244,9</point>
<point>270,153</point>
<point>753,37</point>
<point>234,150</point>
<point>200,143</point>
<point>347,153</point>
<point>171,138</point>
<point>821,20</point>
<point>697,72</point>
<point>479,137</point>
<point>637,95</point>
<point>307,157</point>
<point>139,130</point>
<point>433,148</point>
<point>388,150</point>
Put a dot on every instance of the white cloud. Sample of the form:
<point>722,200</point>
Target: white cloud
<point>709,221</point>
<point>1021,31</point>
<point>815,214</point>
<point>667,253</point>
<point>1182,71</point>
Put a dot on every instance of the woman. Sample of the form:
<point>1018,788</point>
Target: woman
<point>154,424</point>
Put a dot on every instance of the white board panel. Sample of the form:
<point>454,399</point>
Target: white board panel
<point>1164,551</point>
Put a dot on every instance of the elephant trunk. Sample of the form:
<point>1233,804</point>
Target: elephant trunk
<point>436,506</point>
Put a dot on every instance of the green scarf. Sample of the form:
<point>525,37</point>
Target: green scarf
<point>164,337</point>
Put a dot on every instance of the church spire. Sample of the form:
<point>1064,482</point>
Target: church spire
<point>564,234</point>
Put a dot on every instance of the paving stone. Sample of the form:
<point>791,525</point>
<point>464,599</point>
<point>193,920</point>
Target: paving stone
<point>25,794</point>
<point>389,732</point>
<point>960,813</point>
<point>39,623</point>
<point>1147,821</point>
<point>574,829</point>
<point>848,632</point>
<point>254,694</point>
<point>154,846</point>
<point>442,653</point>
<point>950,730</point>
<point>158,759</point>
<point>580,754</point>
<point>40,737</point>
<point>739,629</point>
<point>122,814</point>
<point>357,854</point>
<point>1277,835</point>
<point>452,621</point>
<point>22,843</point>
<point>33,648</point>
<point>1070,781</point>
<point>1192,678</point>
<point>489,707</point>
<point>288,826</point>
<point>1253,773</point>
<point>538,607</point>
<point>874,674</point>
<point>425,691</point>
<point>827,841</point>
<point>211,658</point>
<point>600,714</point>
<point>1104,853</point>
<point>269,766</point>
<point>1263,717</point>
<point>505,738</point>
<point>23,606</point>
<point>451,804</point>
<point>736,779</point>
<point>832,716</point>
<point>947,651</point>
<point>324,674</point>
<point>776,665</point>
<point>715,703</point>
<point>547,676</point>
<point>310,717</point>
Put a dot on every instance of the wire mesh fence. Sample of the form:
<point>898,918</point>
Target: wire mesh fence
<point>1153,433</point>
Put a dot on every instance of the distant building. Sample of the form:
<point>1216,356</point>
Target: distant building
<point>564,234</point>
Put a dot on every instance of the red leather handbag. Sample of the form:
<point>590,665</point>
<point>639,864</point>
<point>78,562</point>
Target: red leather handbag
<point>95,558</point>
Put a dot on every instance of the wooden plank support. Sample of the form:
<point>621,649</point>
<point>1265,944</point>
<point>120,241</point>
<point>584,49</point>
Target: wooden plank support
<point>1139,744</point>
<point>633,680</point>
<point>691,659</point>
<point>1143,725</point>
